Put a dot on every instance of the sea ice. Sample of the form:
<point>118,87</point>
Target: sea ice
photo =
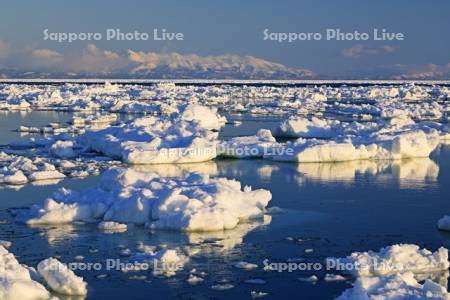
<point>401,286</point>
<point>16,281</point>
<point>248,146</point>
<point>256,294</point>
<point>112,226</point>
<point>206,117</point>
<point>303,127</point>
<point>192,203</point>
<point>60,278</point>
<point>341,100</point>
<point>152,140</point>
<point>392,260</point>
<point>245,265</point>
<point>63,149</point>
<point>193,280</point>
<point>404,145</point>
<point>310,279</point>
<point>334,277</point>
<point>16,170</point>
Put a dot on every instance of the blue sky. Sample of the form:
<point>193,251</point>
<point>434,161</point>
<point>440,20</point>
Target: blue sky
<point>236,27</point>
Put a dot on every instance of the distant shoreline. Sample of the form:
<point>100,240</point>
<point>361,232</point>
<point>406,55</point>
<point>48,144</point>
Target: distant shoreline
<point>222,81</point>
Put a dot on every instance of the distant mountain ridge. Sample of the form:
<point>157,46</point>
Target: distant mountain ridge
<point>152,65</point>
<point>176,65</point>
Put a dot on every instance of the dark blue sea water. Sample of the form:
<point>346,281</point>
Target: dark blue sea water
<point>331,209</point>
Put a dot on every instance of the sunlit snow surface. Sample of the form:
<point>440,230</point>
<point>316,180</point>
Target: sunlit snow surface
<point>196,158</point>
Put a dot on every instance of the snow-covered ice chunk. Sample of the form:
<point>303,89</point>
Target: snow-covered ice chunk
<point>13,177</point>
<point>394,136</point>
<point>394,259</point>
<point>16,169</point>
<point>297,126</point>
<point>192,203</point>
<point>398,287</point>
<point>321,151</point>
<point>62,149</point>
<point>404,145</point>
<point>206,117</point>
<point>248,146</point>
<point>214,204</point>
<point>16,281</point>
<point>60,278</point>
<point>46,175</point>
<point>53,212</point>
<point>112,226</point>
<point>152,140</point>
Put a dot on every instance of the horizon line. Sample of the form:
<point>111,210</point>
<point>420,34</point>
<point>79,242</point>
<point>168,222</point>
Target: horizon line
<point>224,81</point>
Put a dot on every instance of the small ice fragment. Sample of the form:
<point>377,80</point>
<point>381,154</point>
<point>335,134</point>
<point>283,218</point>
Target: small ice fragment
<point>245,265</point>
<point>111,227</point>
<point>334,277</point>
<point>125,252</point>
<point>256,294</point>
<point>310,279</point>
<point>192,279</point>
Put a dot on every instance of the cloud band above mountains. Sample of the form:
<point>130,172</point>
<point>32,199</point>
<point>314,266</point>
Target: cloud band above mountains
<point>93,61</point>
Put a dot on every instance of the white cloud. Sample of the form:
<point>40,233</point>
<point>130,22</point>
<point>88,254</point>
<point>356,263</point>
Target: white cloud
<point>362,50</point>
<point>96,60</point>
<point>46,57</point>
